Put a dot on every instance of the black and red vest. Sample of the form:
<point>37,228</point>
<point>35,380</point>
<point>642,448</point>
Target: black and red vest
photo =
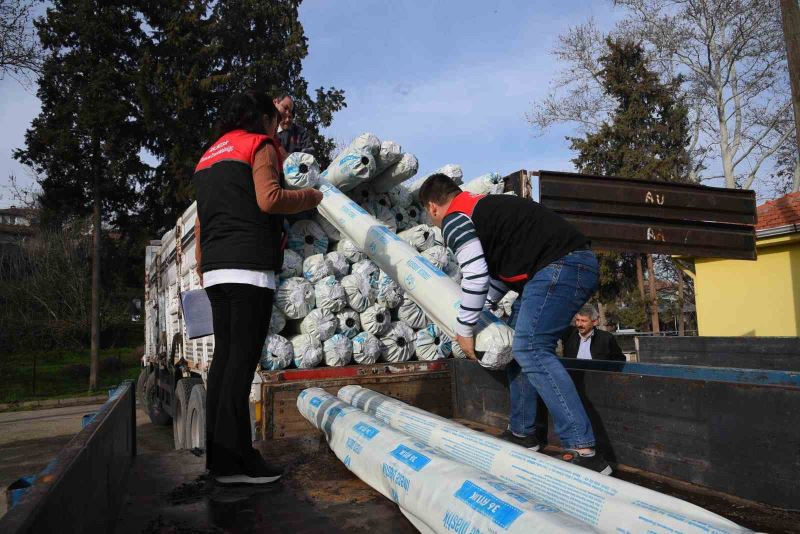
<point>519,236</point>
<point>234,232</point>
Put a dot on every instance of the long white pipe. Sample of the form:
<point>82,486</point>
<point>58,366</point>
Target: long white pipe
<point>437,494</point>
<point>437,295</point>
<point>608,504</point>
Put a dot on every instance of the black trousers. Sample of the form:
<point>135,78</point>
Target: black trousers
<point>241,315</point>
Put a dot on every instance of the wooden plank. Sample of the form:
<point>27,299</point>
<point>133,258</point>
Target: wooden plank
<point>737,438</point>
<point>776,353</point>
<point>430,391</point>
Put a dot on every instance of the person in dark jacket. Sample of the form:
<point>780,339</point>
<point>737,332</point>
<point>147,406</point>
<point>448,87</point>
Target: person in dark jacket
<point>585,342</point>
<point>240,206</point>
<point>293,137</point>
<point>504,242</point>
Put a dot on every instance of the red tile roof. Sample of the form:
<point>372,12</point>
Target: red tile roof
<point>779,212</point>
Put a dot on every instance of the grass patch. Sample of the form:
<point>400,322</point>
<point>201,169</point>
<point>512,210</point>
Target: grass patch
<point>63,373</point>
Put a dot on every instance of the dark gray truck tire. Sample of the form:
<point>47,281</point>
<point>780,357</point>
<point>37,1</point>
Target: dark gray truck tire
<point>196,418</point>
<point>180,426</point>
<point>152,405</point>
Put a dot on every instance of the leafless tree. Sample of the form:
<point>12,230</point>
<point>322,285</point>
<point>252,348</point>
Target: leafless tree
<point>19,46</point>
<point>731,56</point>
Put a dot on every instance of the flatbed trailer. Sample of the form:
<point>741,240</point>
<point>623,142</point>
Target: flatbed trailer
<point>319,494</point>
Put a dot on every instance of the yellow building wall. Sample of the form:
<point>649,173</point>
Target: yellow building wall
<point>751,298</point>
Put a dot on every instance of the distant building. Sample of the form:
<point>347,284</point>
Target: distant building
<point>755,298</point>
<point>16,224</point>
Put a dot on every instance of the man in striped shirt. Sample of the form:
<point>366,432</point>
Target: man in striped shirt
<point>504,242</point>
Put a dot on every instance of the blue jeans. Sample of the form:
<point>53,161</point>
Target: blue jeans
<point>539,316</point>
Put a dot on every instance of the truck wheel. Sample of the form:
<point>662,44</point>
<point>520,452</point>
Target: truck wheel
<point>196,418</point>
<point>140,387</point>
<point>179,423</point>
<point>153,406</point>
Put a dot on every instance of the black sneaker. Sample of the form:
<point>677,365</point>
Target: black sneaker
<point>595,462</point>
<point>529,442</point>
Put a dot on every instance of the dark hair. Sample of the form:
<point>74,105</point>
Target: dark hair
<point>439,189</point>
<point>245,111</point>
<point>281,95</point>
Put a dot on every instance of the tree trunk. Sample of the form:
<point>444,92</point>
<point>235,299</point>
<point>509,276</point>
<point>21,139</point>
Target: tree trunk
<point>601,312</point>
<point>95,311</point>
<point>653,297</point>
<point>640,277</point>
<point>790,9</point>
<point>681,300</point>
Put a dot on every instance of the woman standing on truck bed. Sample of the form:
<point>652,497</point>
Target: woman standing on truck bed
<point>240,206</point>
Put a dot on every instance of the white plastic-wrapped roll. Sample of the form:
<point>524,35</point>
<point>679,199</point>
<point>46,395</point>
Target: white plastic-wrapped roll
<point>308,238</point>
<point>295,297</point>
<point>437,494</point>
<point>315,268</point>
<point>300,170</point>
<point>376,320</point>
<point>416,215</point>
<point>330,295</point>
<point>366,142</point>
<point>363,194</point>
<point>437,255</point>
<point>437,294</point>
<point>366,348</point>
<point>608,504</point>
<point>292,264</point>
<point>277,353</point>
<point>338,264</point>
<point>350,169</point>
<point>277,320</point>
<point>349,250</point>
<point>388,293</point>
<point>451,170</point>
<point>359,292</point>
<point>396,174</point>
<point>453,270</point>
<point>411,314</point>
<point>402,219</point>
<point>433,344</point>
<point>400,197</point>
<point>384,214</point>
<point>397,345</point>
<point>458,352</point>
<point>368,269</point>
<point>490,183</point>
<point>349,323</point>
<point>389,154</point>
<point>338,350</point>
<point>420,237</point>
<point>329,229</point>
<point>319,323</point>
<point>307,351</point>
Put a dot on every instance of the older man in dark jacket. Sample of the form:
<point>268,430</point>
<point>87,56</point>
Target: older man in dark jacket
<point>293,137</point>
<point>584,341</point>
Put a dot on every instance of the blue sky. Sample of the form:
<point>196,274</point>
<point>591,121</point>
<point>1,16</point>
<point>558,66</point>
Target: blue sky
<point>450,81</point>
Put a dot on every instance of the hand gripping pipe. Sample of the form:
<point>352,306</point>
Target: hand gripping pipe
<point>437,494</point>
<point>605,503</point>
<point>437,295</point>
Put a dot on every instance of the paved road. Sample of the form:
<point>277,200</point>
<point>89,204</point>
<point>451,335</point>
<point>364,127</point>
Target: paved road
<point>30,439</point>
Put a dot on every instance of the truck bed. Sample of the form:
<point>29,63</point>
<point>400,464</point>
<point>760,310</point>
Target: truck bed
<point>166,493</point>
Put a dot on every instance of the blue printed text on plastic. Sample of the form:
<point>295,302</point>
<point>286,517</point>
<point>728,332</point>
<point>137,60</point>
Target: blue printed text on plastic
<point>500,512</point>
<point>315,402</point>
<point>414,459</point>
<point>368,431</point>
<point>425,261</point>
